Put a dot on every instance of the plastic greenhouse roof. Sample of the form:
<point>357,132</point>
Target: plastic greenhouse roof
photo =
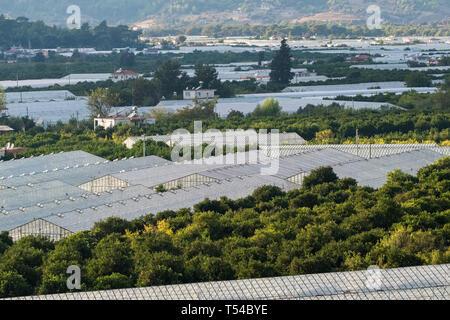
<point>151,177</point>
<point>340,87</point>
<point>82,201</point>
<point>372,172</point>
<point>171,200</point>
<point>33,96</point>
<point>361,150</point>
<point>77,173</point>
<point>194,139</point>
<point>51,111</point>
<point>48,162</point>
<point>430,282</point>
<point>288,104</point>
<point>27,196</point>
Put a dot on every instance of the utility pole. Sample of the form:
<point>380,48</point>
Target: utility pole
<point>17,85</point>
<point>143,139</point>
<point>357,145</point>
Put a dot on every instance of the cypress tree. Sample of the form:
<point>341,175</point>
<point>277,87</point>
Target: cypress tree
<point>281,65</point>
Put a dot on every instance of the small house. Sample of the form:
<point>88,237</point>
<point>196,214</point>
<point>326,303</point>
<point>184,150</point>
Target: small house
<point>198,93</point>
<point>124,75</point>
<point>122,117</point>
<point>5,129</point>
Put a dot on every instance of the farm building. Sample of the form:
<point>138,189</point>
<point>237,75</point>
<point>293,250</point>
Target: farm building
<point>198,93</point>
<point>122,116</point>
<point>124,75</point>
<point>5,130</point>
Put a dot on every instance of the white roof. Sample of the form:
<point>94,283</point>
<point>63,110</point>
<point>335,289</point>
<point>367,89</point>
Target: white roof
<point>408,283</point>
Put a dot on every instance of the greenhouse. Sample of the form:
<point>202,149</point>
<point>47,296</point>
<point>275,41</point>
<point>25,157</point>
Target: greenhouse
<point>408,283</point>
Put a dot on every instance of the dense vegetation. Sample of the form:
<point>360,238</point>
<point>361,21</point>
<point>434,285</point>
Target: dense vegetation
<point>78,136</point>
<point>22,32</point>
<point>327,225</point>
<point>300,30</point>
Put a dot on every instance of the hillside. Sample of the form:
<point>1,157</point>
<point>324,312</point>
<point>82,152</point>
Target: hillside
<point>182,12</point>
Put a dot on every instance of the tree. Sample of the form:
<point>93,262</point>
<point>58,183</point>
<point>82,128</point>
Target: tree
<point>324,136</point>
<point>201,110</point>
<point>307,199</point>
<point>418,79</point>
<point>181,39</point>
<point>39,57</point>
<point>127,59</point>
<point>169,75</point>
<point>161,113</point>
<point>5,241</point>
<point>74,250</point>
<point>158,268</point>
<point>101,100</point>
<point>112,281</point>
<point>13,284</point>
<point>442,97</point>
<point>267,193</point>
<point>2,99</point>
<point>111,225</point>
<point>207,76</point>
<point>25,257</point>
<point>319,176</point>
<point>235,114</point>
<point>112,254</point>
<point>444,61</point>
<point>260,58</point>
<point>270,107</point>
<point>281,65</point>
<point>146,92</point>
<point>211,205</point>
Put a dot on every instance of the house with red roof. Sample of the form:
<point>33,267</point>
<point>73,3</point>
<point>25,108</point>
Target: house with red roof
<point>124,75</point>
<point>359,58</point>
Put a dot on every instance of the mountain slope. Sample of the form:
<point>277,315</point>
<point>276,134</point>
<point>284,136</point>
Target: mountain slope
<point>206,11</point>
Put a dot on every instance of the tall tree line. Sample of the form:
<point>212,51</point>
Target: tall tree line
<point>22,32</point>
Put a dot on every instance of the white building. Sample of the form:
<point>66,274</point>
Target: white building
<point>124,75</point>
<point>198,93</point>
<point>122,117</point>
